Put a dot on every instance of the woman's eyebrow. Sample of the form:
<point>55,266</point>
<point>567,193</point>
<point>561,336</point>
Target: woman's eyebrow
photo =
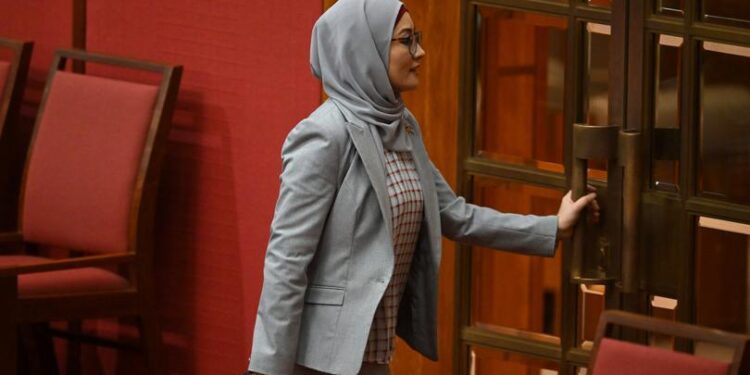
<point>407,29</point>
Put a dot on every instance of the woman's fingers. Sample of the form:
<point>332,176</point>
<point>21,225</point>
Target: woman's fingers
<point>585,201</point>
<point>590,201</point>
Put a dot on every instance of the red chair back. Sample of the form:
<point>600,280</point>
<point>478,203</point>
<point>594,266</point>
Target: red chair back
<point>85,158</point>
<point>615,357</point>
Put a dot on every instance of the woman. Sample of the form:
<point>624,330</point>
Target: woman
<point>355,240</point>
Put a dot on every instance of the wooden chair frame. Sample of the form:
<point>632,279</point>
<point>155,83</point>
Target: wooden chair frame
<point>139,298</point>
<point>611,318</point>
<point>12,143</point>
<point>10,101</point>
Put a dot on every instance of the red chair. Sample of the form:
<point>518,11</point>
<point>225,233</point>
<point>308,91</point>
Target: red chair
<point>14,66</point>
<point>615,357</point>
<point>90,186</point>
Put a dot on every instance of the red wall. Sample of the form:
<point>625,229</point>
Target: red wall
<point>246,83</point>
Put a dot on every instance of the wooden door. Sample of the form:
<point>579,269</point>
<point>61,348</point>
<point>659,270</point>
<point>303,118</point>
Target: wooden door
<point>672,79</point>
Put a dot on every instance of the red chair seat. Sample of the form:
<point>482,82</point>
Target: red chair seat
<point>623,358</point>
<point>79,280</point>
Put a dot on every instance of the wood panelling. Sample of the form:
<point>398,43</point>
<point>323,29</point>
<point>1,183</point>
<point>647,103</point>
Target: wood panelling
<point>721,267</point>
<point>435,105</point>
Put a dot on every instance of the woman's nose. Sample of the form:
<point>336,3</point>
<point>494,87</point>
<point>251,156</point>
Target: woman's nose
<point>420,52</point>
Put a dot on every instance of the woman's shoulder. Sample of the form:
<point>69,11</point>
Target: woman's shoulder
<point>325,121</point>
<point>321,136</point>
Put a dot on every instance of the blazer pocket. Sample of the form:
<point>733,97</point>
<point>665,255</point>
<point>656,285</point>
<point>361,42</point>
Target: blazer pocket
<point>324,295</point>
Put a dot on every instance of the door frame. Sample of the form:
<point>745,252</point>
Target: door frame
<point>634,25</point>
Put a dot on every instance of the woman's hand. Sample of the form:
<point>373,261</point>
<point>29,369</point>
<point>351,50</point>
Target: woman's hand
<point>570,212</point>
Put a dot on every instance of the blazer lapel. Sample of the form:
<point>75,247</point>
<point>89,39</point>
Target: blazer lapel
<point>368,152</point>
<point>431,209</point>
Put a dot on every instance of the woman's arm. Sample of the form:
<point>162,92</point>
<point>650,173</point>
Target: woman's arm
<point>308,188</point>
<point>483,226</point>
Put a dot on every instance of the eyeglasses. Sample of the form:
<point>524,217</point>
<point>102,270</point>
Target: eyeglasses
<point>413,41</point>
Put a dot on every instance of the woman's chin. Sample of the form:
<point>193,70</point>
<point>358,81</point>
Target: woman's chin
<point>411,85</point>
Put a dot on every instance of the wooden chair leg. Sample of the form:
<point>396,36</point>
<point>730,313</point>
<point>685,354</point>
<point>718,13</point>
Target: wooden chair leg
<point>39,352</point>
<point>152,343</point>
<point>73,355</point>
<point>8,329</point>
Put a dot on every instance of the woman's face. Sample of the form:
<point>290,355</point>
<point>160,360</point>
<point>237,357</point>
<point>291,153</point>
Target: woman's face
<point>402,68</point>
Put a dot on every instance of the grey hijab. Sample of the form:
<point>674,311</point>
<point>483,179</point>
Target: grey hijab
<point>349,53</point>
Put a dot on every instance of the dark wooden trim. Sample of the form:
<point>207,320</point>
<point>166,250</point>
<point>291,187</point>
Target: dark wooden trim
<point>630,182</point>
<point>578,357</point>
<point>594,14</point>
<point>691,13</point>
<point>463,309</point>
<point>481,166</point>
<point>57,64</point>
<point>79,24</point>
<point>719,33</point>
<point>573,112</point>
<point>68,263</point>
<point>686,275</point>
<point>11,238</point>
<point>664,24</point>
<point>10,98</point>
<point>510,343</point>
<point>82,306</point>
<point>597,14</point>
<point>79,32</point>
<point>527,5</point>
<point>688,110</point>
<point>650,86</point>
<point>13,137</point>
<point>700,206</point>
<point>635,91</point>
<point>143,204</point>
<point>93,340</point>
<point>121,61</point>
<point>620,60</point>
<point>619,64</point>
<point>465,129</point>
<point>701,30</point>
<point>8,328</point>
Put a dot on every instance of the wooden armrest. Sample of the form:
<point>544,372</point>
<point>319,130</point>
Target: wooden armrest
<point>677,329</point>
<point>10,238</point>
<point>63,264</point>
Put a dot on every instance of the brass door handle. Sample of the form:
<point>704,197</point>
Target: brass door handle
<point>611,143</point>
<point>589,143</point>
<point>629,150</point>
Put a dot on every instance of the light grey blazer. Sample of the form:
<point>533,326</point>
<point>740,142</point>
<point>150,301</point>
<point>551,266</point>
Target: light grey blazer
<point>330,255</point>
